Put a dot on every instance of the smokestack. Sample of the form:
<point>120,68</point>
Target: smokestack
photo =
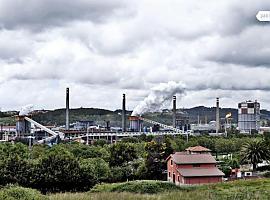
<point>217,116</point>
<point>67,109</point>
<point>174,111</point>
<point>124,126</point>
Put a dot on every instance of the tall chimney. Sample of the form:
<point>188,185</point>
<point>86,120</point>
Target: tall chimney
<point>67,109</point>
<point>124,126</point>
<point>217,116</point>
<point>174,111</point>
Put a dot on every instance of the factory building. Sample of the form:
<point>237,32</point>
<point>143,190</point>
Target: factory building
<point>182,121</point>
<point>83,124</point>
<point>248,116</point>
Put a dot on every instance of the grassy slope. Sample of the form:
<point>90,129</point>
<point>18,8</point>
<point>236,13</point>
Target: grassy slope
<point>249,189</point>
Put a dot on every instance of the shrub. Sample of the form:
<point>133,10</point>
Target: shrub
<point>267,174</point>
<point>149,187</point>
<point>16,192</point>
<point>263,168</point>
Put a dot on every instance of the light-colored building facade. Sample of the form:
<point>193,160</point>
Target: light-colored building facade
<point>248,116</point>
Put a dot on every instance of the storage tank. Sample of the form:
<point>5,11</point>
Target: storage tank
<point>135,124</point>
<point>22,126</point>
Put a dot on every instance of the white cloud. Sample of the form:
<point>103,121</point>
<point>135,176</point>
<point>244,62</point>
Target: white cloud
<point>102,49</point>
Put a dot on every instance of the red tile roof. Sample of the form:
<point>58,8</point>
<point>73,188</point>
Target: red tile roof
<point>200,172</point>
<point>193,159</point>
<point>198,149</point>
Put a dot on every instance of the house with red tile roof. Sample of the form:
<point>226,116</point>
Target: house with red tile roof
<point>195,166</point>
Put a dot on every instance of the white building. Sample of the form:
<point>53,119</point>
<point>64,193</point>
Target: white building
<point>248,116</point>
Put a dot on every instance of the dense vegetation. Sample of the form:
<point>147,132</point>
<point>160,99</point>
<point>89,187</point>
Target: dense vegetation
<point>76,167</point>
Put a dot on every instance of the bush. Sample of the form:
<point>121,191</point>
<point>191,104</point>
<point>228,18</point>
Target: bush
<point>15,192</point>
<point>266,174</point>
<point>263,168</point>
<point>149,187</point>
<point>130,140</point>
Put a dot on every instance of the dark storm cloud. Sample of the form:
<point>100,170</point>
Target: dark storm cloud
<point>36,14</point>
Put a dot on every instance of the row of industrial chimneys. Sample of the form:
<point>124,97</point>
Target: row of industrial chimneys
<point>124,126</point>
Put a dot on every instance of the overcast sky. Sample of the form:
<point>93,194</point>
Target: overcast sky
<point>103,48</point>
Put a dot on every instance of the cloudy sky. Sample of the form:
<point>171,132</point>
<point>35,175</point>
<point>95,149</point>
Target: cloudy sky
<point>103,48</point>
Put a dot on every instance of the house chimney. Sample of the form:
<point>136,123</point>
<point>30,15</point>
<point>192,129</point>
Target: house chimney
<point>67,109</point>
<point>174,111</point>
<point>124,127</point>
<point>217,116</point>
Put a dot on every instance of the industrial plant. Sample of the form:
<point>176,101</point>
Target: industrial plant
<point>87,131</point>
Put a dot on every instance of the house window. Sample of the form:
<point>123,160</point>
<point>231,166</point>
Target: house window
<point>196,165</point>
<point>171,162</point>
<point>178,178</point>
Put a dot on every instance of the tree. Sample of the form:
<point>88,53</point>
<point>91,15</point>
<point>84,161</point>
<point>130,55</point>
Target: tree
<point>178,144</point>
<point>154,161</point>
<point>16,170</point>
<point>255,151</point>
<point>57,171</point>
<point>266,137</point>
<point>122,153</point>
<point>9,149</point>
<point>207,142</point>
<point>168,150</point>
<point>95,168</point>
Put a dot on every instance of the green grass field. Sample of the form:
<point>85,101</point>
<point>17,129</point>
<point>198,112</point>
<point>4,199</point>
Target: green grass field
<point>152,190</point>
<point>245,189</point>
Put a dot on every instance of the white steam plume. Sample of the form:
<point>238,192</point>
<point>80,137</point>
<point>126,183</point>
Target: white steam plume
<point>158,96</point>
<point>26,109</point>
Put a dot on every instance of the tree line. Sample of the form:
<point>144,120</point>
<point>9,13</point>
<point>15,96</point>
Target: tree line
<point>78,167</point>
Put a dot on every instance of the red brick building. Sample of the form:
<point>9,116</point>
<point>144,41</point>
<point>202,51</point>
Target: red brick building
<point>195,166</point>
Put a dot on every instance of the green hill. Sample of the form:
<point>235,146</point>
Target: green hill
<point>57,117</point>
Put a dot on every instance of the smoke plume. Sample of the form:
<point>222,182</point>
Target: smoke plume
<point>158,96</point>
<point>26,109</point>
